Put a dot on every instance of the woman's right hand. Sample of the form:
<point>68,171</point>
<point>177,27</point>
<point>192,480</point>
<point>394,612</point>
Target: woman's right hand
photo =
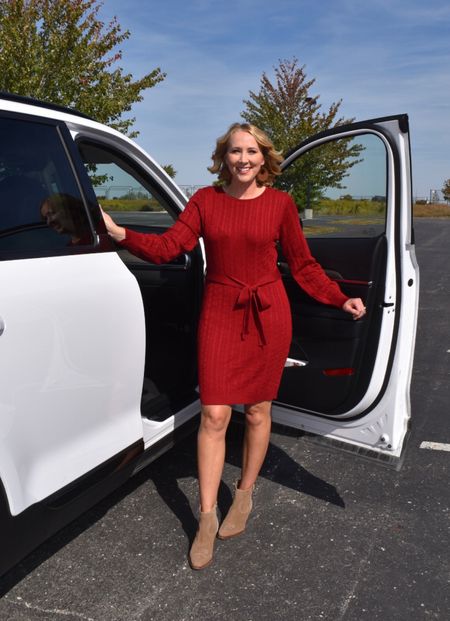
<point>115,231</point>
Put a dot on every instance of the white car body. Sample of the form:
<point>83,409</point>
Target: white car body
<point>74,325</point>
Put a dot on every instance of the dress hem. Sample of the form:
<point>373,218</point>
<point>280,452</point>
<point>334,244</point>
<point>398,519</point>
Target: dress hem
<point>231,403</point>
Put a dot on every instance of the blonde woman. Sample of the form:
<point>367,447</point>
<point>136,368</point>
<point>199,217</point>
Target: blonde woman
<point>245,323</point>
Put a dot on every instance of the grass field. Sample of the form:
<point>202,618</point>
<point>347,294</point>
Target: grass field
<point>367,207</point>
<point>328,207</point>
<point>437,210</point>
<point>130,204</point>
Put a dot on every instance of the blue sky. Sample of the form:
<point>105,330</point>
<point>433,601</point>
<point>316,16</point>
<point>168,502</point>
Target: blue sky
<point>381,57</point>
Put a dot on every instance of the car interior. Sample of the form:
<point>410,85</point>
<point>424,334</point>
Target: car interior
<point>338,353</point>
<point>171,292</point>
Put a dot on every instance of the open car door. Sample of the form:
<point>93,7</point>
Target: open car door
<point>349,380</point>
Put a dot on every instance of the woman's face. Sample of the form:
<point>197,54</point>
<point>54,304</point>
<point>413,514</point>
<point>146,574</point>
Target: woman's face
<point>56,218</point>
<point>243,158</point>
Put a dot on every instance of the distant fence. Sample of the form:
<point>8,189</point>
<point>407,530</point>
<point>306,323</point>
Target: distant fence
<point>124,191</point>
<point>189,190</point>
<point>427,200</point>
<point>121,191</point>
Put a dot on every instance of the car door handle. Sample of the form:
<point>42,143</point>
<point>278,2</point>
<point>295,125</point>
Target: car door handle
<point>2,326</point>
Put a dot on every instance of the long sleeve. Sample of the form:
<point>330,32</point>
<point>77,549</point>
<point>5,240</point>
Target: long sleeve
<point>182,236</point>
<point>304,268</point>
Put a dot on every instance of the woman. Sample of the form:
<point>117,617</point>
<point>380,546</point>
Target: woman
<point>245,323</point>
<point>64,214</point>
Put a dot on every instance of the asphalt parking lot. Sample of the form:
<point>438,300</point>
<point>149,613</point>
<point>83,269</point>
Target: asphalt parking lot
<point>332,537</point>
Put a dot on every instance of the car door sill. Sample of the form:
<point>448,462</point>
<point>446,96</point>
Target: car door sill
<point>154,431</point>
<point>393,462</point>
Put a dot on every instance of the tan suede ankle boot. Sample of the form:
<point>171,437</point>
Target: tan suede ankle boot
<point>201,553</point>
<point>237,516</point>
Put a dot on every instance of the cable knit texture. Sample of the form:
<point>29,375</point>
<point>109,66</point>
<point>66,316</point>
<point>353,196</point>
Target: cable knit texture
<point>245,324</point>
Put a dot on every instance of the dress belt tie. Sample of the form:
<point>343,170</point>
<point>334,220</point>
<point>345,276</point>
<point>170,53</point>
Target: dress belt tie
<point>250,298</point>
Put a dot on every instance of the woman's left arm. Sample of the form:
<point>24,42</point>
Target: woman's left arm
<point>306,270</point>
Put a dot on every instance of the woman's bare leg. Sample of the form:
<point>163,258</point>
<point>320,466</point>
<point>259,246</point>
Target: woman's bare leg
<point>256,441</point>
<point>211,452</point>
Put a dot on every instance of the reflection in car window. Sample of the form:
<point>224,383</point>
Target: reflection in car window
<point>38,189</point>
<point>64,214</point>
<point>341,196</point>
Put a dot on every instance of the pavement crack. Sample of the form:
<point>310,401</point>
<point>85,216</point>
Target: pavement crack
<point>52,611</point>
<point>351,593</point>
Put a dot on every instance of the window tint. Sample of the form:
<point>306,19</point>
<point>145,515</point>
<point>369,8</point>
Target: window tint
<point>121,187</point>
<point>340,187</point>
<point>41,209</point>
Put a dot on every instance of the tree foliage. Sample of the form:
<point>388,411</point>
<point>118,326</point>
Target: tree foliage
<point>170,170</point>
<point>60,51</point>
<point>285,110</point>
<point>446,190</point>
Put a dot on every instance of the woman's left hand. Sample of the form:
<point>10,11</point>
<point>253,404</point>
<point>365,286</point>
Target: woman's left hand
<point>355,307</point>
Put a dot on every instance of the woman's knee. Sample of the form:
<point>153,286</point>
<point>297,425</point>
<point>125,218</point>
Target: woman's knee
<point>257,413</point>
<point>215,418</point>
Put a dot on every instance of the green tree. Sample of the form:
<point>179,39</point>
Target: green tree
<point>446,190</point>
<point>285,110</point>
<point>170,170</point>
<point>61,52</point>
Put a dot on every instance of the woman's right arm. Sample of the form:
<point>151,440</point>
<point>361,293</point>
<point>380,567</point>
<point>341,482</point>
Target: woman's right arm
<point>181,237</point>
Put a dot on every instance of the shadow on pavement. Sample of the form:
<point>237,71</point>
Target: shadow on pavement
<point>165,472</point>
<point>278,468</point>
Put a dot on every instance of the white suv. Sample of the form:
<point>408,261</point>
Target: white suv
<point>98,348</point>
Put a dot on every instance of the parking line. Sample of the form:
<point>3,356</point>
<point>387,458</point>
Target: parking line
<point>435,446</point>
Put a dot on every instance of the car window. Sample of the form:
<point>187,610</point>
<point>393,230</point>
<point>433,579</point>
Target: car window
<point>121,187</point>
<point>340,187</point>
<point>41,208</point>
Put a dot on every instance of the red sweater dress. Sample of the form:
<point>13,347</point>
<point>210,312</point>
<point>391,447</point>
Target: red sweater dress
<point>245,324</point>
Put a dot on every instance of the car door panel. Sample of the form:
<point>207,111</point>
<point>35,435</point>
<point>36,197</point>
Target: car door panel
<point>354,387</point>
<point>171,296</point>
<point>331,342</point>
<point>69,397</point>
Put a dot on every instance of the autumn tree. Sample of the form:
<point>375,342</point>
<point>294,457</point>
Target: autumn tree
<point>446,190</point>
<point>61,52</point>
<point>286,111</point>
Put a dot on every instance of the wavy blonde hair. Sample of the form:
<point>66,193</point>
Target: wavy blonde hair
<point>272,158</point>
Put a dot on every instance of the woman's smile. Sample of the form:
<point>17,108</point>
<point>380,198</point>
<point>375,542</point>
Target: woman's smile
<point>244,157</point>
